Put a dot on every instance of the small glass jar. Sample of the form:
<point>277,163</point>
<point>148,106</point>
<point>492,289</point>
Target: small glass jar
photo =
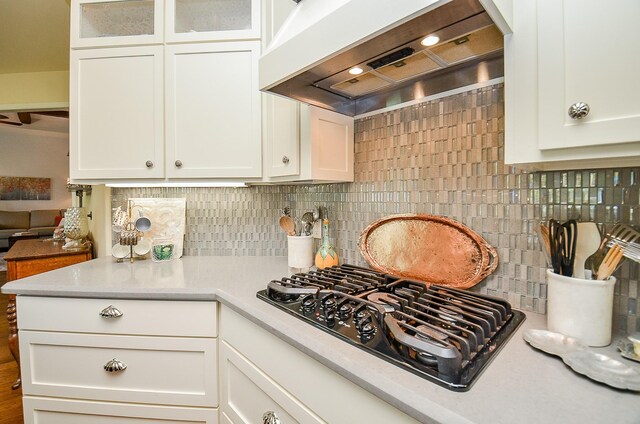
<point>162,249</point>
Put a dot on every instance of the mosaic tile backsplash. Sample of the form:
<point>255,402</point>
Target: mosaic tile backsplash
<point>442,157</point>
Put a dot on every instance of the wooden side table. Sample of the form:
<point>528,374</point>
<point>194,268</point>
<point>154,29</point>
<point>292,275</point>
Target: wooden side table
<point>31,257</point>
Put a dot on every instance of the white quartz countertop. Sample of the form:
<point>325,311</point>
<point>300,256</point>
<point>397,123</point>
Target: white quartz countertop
<point>522,385</point>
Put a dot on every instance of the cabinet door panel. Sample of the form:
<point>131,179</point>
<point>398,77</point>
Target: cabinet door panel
<point>116,113</point>
<point>58,411</point>
<point>588,52</point>
<point>282,135</point>
<point>97,23</point>
<point>213,110</point>
<point>160,370</point>
<point>247,393</point>
<point>211,20</point>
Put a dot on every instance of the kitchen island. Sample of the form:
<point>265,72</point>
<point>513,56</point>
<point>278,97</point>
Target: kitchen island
<point>521,384</point>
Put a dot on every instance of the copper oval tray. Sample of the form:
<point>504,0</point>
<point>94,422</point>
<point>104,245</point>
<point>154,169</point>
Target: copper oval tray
<point>429,248</point>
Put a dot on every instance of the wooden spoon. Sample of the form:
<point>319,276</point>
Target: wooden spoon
<point>287,224</point>
<point>610,262</point>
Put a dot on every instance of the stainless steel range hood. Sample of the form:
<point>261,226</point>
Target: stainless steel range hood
<point>310,57</point>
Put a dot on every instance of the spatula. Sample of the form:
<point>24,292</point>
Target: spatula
<point>587,244</point>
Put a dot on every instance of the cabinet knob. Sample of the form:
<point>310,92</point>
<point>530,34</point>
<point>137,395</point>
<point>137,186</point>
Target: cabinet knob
<point>178,163</point>
<point>149,164</point>
<point>114,366</point>
<point>578,110</point>
<point>111,312</point>
<point>285,160</point>
<point>270,417</point>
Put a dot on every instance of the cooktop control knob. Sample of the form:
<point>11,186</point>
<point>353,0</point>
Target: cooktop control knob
<point>367,331</point>
<point>329,302</point>
<point>330,318</point>
<point>308,302</point>
<point>345,310</point>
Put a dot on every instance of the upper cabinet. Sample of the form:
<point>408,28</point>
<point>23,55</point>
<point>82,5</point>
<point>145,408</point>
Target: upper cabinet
<point>97,23</point>
<point>212,20</point>
<point>103,23</point>
<point>212,110</point>
<point>570,97</point>
<point>172,110</point>
<point>116,115</point>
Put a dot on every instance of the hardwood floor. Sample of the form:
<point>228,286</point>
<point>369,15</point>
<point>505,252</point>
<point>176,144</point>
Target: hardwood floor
<point>10,400</point>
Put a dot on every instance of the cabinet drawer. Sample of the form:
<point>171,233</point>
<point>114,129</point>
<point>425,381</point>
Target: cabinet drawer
<point>248,393</point>
<point>160,370</point>
<point>58,411</point>
<point>145,317</point>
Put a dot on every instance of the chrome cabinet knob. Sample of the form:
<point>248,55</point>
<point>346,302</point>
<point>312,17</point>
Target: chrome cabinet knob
<point>149,164</point>
<point>114,366</point>
<point>578,110</point>
<point>111,312</point>
<point>178,163</point>
<point>285,160</point>
<point>270,417</point>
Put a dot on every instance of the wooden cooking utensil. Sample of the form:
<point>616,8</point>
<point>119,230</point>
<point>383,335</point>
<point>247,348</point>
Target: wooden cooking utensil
<point>288,225</point>
<point>610,262</point>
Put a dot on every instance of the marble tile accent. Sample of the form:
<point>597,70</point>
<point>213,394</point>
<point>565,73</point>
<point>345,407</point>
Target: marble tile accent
<point>442,157</point>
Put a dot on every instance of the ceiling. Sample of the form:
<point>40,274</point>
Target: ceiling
<point>34,35</point>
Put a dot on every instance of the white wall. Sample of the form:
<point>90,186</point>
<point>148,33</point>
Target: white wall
<point>25,153</point>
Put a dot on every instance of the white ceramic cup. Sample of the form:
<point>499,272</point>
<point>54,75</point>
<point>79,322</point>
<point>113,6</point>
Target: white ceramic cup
<point>119,251</point>
<point>143,247</point>
<point>300,251</point>
<point>580,308</point>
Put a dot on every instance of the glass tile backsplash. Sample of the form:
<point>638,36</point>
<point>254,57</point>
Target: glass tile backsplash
<point>442,157</point>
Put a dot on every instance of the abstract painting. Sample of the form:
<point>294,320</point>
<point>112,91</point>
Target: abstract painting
<point>25,188</point>
<point>9,188</point>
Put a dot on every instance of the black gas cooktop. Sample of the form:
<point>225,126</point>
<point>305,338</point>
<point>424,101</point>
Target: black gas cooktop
<point>442,334</point>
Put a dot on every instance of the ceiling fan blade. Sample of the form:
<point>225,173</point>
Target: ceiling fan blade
<point>17,124</point>
<point>4,117</point>
<point>24,117</point>
<point>56,113</point>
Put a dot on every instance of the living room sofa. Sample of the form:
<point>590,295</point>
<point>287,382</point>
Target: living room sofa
<point>41,222</point>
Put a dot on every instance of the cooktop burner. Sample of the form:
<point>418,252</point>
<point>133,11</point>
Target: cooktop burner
<point>442,334</point>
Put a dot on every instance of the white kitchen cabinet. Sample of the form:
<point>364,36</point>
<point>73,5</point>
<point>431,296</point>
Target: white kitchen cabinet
<point>562,53</point>
<point>62,411</point>
<point>212,20</point>
<point>116,113</point>
<point>249,393</point>
<point>117,352</point>
<point>213,110</point>
<point>302,142</point>
<point>281,136</point>
<point>255,379</point>
<point>99,23</point>
<point>325,144</point>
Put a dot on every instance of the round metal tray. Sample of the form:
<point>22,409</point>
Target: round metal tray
<point>429,248</point>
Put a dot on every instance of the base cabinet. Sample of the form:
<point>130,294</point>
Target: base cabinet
<point>59,411</point>
<point>249,393</point>
<point>102,361</point>
<point>256,380</point>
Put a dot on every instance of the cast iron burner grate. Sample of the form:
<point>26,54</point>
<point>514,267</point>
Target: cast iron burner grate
<point>442,334</point>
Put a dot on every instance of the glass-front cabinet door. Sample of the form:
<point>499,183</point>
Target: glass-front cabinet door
<point>212,20</point>
<point>98,23</point>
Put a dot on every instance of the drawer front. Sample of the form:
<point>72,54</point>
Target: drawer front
<point>144,317</point>
<point>58,411</point>
<point>160,370</point>
<point>247,393</point>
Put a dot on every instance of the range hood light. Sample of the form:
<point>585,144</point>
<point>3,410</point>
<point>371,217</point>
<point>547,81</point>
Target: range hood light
<point>355,70</point>
<point>430,40</point>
